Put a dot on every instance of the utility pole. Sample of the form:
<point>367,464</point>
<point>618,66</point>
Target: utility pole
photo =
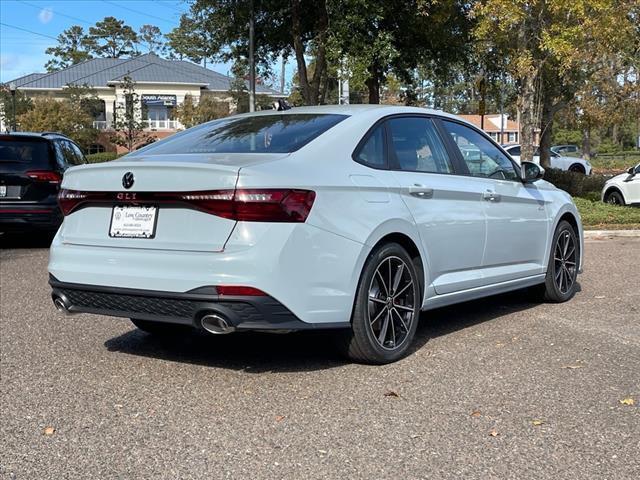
<point>502,110</point>
<point>13,88</point>
<point>284,62</point>
<point>252,64</point>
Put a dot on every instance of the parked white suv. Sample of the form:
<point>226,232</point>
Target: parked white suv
<point>571,164</point>
<point>623,189</point>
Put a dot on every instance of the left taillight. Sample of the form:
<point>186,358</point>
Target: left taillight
<point>45,176</point>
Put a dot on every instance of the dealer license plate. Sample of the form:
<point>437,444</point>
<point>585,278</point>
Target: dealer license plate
<point>133,222</point>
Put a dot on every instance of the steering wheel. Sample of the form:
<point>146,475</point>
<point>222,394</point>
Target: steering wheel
<point>498,171</point>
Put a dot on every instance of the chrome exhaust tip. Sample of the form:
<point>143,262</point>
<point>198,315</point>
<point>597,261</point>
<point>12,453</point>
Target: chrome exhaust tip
<point>216,324</point>
<point>60,305</point>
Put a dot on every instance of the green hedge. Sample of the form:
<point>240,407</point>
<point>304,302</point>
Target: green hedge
<point>577,184</point>
<point>102,157</point>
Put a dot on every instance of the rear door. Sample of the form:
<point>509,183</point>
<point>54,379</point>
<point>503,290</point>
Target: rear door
<point>27,173</point>
<point>447,208</point>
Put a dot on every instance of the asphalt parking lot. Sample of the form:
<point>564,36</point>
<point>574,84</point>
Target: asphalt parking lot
<point>498,388</point>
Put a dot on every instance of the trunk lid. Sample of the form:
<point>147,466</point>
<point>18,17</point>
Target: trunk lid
<point>177,227</point>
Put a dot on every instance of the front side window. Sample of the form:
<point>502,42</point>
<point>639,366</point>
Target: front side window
<point>277,133</point>
<point>372,152</point>
<point>416,146</point>
<point>482,157</point>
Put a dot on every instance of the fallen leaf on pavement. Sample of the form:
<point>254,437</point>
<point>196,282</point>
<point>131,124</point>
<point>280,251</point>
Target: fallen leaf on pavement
<point>391,393</point>
<point>493,433</point>
<point>475,413</point>
<point>537,423</point>
<point>627,401</point>
<point>279,418</point>
<point>49,431</point>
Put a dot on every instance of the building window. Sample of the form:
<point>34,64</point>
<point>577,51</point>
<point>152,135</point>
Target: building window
<point>95,148</point>
<point>513,137</point>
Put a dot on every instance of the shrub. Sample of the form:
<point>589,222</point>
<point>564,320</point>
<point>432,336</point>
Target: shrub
<point>102,157</point>
<point>576,184</point>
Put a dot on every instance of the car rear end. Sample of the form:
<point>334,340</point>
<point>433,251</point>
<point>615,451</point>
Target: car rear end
<point>194,238</point>
<point>29,183</point>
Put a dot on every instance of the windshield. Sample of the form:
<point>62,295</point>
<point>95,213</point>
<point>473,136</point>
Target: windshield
<point>283,133</point>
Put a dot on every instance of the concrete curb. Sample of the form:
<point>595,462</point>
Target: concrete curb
<point>611,233</point>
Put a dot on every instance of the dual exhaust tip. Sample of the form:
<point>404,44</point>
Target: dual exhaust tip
<point>211,322</point>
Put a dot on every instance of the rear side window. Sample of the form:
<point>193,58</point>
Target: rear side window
<point>417,146</point>
<point>514,151</point>
<point>372,151</point>
<point>18,153</point>
<point>281,133</point>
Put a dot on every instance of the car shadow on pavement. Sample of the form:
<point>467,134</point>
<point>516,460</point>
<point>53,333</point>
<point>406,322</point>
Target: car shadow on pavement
<point>35,239</point>
<point>302,351</point>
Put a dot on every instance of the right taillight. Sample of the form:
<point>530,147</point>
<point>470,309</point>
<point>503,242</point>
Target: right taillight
<point>248,205</point>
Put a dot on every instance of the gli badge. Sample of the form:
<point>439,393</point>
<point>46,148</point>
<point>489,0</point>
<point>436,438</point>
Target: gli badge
<point>127,180</point>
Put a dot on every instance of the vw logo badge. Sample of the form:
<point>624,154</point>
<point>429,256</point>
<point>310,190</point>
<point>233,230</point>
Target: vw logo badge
<point>127,180</point>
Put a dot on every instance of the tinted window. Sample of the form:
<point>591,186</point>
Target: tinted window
<point>481,156</point>
<point>417,147</point>
<point>21,153</point>
<point>514,151</point>
<point>281,133</point>
<point>372,152</point>
<point>638,168</point>
<point>77,154</point>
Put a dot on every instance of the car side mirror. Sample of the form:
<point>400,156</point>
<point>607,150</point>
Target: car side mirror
<point>631,171</point>
<point>531,172</point>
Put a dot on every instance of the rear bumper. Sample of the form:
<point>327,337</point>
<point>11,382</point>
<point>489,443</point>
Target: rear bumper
<point>16,217</point>
<point>242,312</point>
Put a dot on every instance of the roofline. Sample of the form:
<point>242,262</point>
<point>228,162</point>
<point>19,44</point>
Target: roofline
<point>142,82</point>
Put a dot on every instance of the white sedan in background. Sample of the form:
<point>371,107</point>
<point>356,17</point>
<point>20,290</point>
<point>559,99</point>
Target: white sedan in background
<point>623,189</point>
<point>354,218</point>
<point>571,164</point>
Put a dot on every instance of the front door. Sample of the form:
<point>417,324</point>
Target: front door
<point>517,223</point>
<point>447,208</point>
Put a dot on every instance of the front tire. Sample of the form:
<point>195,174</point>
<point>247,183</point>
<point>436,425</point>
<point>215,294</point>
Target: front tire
<point>159,328</point>
<point>387,308</point>
<point>562,271</point>
<point>615,198</point>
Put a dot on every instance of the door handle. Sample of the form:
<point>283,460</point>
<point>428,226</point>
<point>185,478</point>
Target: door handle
<point>420,191</point>
<point>490,196</point>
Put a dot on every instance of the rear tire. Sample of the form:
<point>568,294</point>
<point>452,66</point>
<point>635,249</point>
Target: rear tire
<point>160,328</point>
<point>577,168</point>
<point>561,281</point>
<point>386,310</point>
<point>615,198</point>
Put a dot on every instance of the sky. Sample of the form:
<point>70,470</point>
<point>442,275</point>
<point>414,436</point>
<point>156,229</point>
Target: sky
<point>22,52</point>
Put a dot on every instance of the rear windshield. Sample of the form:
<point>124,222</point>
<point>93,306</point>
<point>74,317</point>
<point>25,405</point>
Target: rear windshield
<point>19,152</point>
<point>257,134</point>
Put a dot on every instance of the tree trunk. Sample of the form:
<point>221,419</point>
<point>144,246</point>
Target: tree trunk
<point>549,110</point>
<point>526,102</point>
<point>586,141</point>
<point>373,84</point>
<point>311,92</point>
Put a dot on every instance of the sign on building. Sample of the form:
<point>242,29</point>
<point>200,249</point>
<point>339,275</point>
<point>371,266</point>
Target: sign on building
<point>156,99</point>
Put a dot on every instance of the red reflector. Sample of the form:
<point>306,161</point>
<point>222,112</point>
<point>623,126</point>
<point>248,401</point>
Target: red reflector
<point>44,176</point>
<point>240,291</point>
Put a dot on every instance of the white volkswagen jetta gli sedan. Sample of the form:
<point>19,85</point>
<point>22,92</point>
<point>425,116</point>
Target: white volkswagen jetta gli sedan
<point>323,217</point>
